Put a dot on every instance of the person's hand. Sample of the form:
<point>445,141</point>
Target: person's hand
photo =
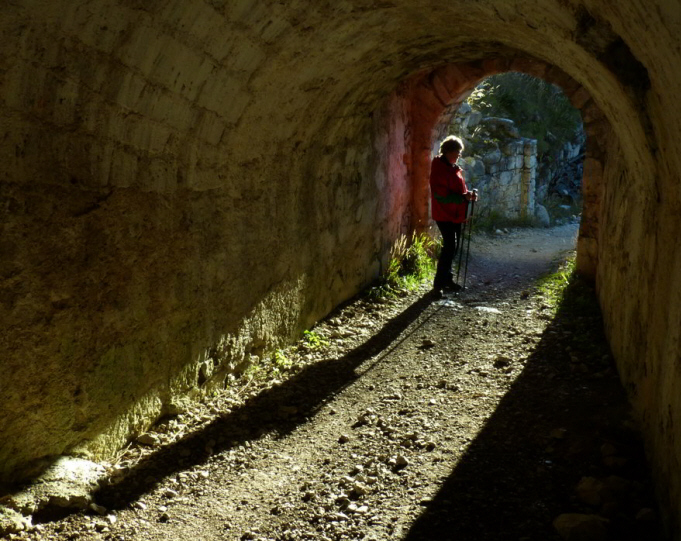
<point>472,196</point>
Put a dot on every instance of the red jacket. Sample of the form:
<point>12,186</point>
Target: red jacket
<point>447,189</point>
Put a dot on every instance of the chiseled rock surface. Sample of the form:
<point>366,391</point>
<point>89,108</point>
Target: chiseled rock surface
<point>67,483</point>
<point>579,527</point>
<point>12,522</point>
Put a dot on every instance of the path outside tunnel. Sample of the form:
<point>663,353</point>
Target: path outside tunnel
<point>467,418</point>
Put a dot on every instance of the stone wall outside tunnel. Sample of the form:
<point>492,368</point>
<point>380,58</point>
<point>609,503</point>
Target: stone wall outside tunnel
<point>186,184</point>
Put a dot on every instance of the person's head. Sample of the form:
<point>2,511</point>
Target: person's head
<point>451,147</point>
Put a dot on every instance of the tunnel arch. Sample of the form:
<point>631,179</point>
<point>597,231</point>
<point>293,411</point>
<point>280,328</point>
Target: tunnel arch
<point>155,150</point>
<point>436,93</point>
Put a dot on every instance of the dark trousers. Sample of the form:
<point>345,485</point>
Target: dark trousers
<point>451,237</point>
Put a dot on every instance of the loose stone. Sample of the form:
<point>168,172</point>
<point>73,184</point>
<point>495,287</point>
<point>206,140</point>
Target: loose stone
<point>98,509</point>
<point>401,461</point>
<point>579,527</point>
<point>148,439</point>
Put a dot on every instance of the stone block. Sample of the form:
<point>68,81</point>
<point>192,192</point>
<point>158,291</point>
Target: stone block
<point>454,80</point>
<point>225,95</point>
<point>591,113</point>
<point>465,109</point>
<point>557,76</point>
<point>509,149</point>
<point>506,177</point>
<point>579,97</point>
<point>474,119</point>
<point>144,44</point>
<point>244,55</point>
<point>495,65</point>
<point>198,20</point>
<point>180,69</point>
<point>98,29</point>
<point>211,128</point>
<point>441,90</point>
<point>493,157</point>
<point>126,90</point>
<point>581,527</point>
<point>542,215</point>
<point>144,135</point>
<point>12,522</point>
<point>592,179</point>
<point>530,66</point>
<point>598,131</point>
<point>529,147</point>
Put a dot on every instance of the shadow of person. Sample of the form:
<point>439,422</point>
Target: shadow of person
<point>305,393</point>
<point>547,432</point>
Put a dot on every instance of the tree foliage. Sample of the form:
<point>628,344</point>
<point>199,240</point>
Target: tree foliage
<point>540,110</point>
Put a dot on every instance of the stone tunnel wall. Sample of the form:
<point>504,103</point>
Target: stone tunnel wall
<point>188,183</point>
<point>168,210</point>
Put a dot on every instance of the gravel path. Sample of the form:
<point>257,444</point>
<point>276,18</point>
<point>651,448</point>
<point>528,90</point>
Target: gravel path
<point>483,416</point>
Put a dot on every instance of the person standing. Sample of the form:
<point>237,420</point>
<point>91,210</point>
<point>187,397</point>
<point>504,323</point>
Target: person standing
<point>449,201</point>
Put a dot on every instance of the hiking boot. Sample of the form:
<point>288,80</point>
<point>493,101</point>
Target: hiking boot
<point>436,292</point>
<point>453,287</point>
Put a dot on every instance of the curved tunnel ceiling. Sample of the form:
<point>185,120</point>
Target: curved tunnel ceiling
<point>310,66</point>
<point>241,103</point>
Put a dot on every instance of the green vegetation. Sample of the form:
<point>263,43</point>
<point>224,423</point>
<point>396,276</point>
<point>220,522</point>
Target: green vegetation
<point>552,287</point>
<point>540,110</point>
<point>279,361</point>
<point>410,264</point>
<point>311,340</point>
<point>565,292</point>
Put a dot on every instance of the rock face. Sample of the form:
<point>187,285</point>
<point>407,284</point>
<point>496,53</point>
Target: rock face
<point>576,527</point>
<point>501,165</point>
<point>186,184</point>
<point>542,215</point>
<point>68,483</point>
<point>506,169</point>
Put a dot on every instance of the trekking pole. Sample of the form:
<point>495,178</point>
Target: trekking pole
<point>459,246</point>
<point>468,249</point>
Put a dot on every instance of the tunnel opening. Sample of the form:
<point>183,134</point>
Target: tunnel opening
<point>435,96</point>
<point>524,147</point>
<point>524,151</point>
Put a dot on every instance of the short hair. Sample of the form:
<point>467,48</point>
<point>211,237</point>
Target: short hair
<point>451,144</point>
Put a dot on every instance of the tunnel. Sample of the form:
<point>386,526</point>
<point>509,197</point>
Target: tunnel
<point>186,185</point>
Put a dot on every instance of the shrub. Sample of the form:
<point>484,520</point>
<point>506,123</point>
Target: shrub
<point>540,110</point>
<point>411,262</point>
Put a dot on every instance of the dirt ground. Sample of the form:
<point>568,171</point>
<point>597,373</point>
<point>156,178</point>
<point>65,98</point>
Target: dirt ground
<point>480,416</point>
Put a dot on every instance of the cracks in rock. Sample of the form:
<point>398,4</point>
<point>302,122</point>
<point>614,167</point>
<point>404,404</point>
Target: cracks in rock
<point>95,205</point>
<point>598,38</point>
